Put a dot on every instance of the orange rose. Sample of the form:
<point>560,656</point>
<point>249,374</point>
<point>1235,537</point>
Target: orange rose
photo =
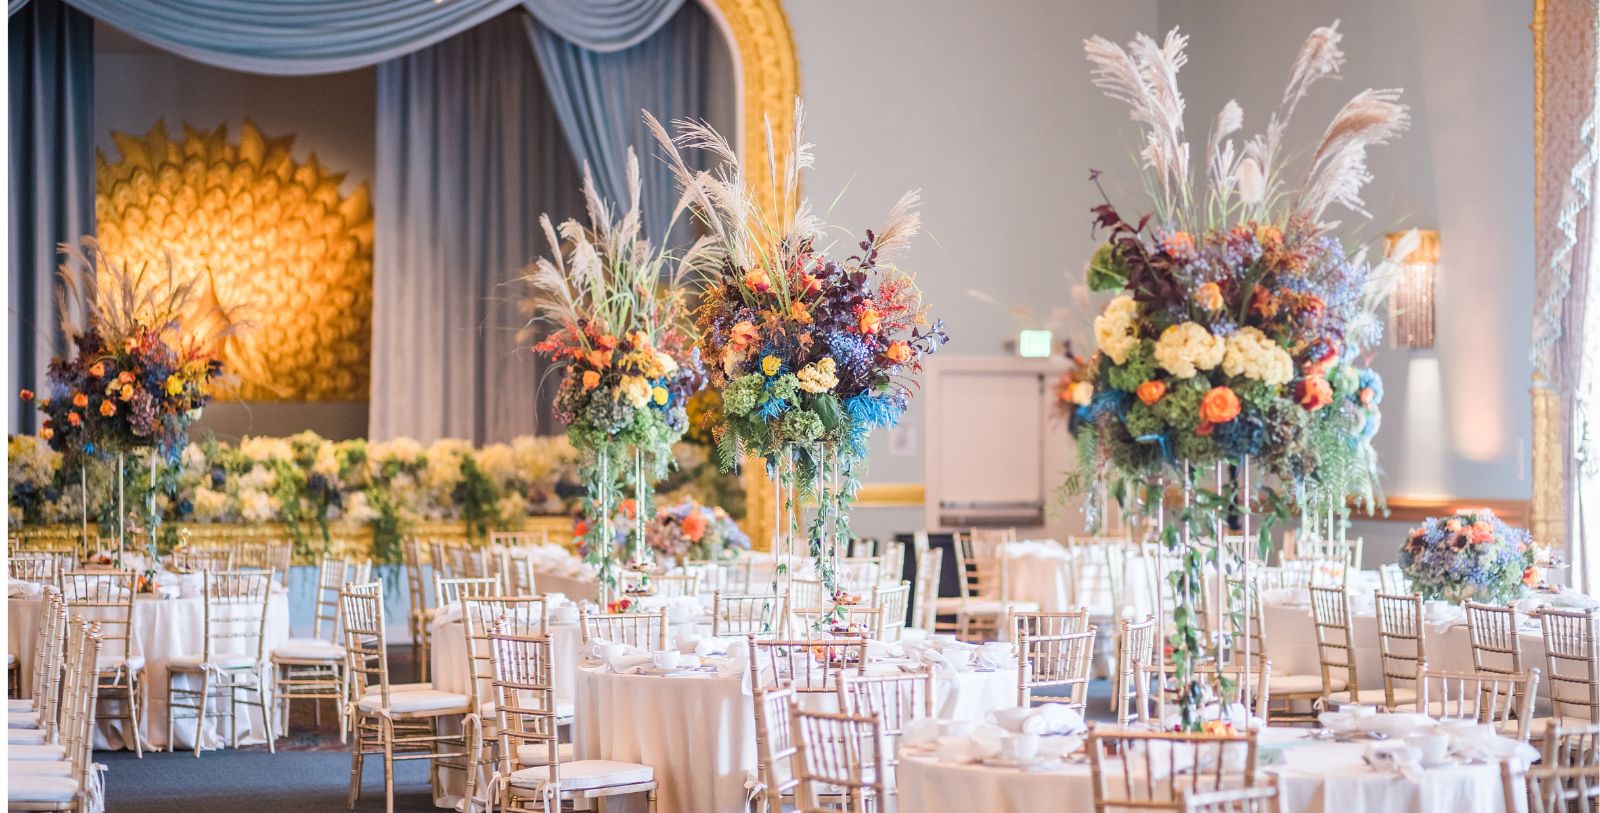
<point>1482,531</point>
<point>1150,392</point>
<point>80,400</point>
<point>798,313</point>
<point>74,418</point>
<point>591,379</point>
<point>898,352</point>
<point>599,359</point>
<point>1178,244</point>
<point>108,408</point>
<point>628,507</point>
<point>743,334</point>
<point>870,320</point>
<point>98,370</point>
<point>1530,576</point>
<point>810,285</point>
<point>1209,296</point>
<point>46,432</point>
<point>1220,405</point>
<point>26,395</point>
<point>127,392</point>
<point>125,377</point>
<point>1313,393</point>
<point>756,279</point>
<point>694,526</point>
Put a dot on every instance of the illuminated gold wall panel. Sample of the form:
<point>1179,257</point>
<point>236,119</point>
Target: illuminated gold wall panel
<point>282,250</point>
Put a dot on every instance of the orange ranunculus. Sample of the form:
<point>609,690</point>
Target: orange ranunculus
<point>1178,244</point>
<point>80,400</point>
<point>46,432</point>
<point>1313,393</point>
<point>870,320</point>
<point>108,408</point>
<point>74,419</point>
<point>756,279</point>
<point>607,342</point>
<point>743,334</point>
<point>126,393</point>
<point>591,379</point>
<point>97,370</point>
<point>1209,296</point>
<point>898,352</point>
<point>1482,531</point>
<point>125,377</point>
<point>810,285</point>
<point>598,359</point>
<point>26,395</point>
<point>798,313</point>
<point>694,526</point>
<point>1220,405</point>
<point>1151,391</point>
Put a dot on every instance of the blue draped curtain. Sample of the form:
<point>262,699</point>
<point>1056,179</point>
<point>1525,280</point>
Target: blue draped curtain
<point>52,178</point>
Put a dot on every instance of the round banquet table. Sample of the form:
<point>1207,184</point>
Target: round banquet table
<point>1313,777</point>
<point>698,730</point>
<point>161,630</point>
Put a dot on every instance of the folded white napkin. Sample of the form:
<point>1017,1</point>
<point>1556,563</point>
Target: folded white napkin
<point>986,739</point>
<point>920,731</point>
<point>23,589</point>
<point>706,647</point>
<point>732,665</point>
<point>623,663</point>
<point>1569,597</point>
<point>1287,596</point>
<point>877,650</point>
<point>1054,718</point>
<point>995,655</point>
<point>932,657</point>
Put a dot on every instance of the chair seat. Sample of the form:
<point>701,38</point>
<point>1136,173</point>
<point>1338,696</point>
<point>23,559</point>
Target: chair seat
<point>19,705</point>
<point>1539,727</point>
<point>32,788</point>
<point>30,753</point>
<point>1301,684</point>
<point>39,767</point>
<point>1374,697</point>
<point>308,649</point>
<point>395,688</point>
<point>133,663</point>
<point>24,736</point>
<point>226,663</point>
<point>534,755</point>
<point>22,719</point>
<point>586,774</point>
<point>993,606</point>
<point>417,700</point>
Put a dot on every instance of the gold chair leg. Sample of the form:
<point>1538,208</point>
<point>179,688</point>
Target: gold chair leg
<point>169,712</point>
<point>356,756</point>
<point>200,715</point>
<point>135,683</point>
<point>386,729</point>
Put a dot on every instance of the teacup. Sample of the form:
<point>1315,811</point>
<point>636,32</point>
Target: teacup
<point>1020,747</point>
<point>1432,746</point>
<point>1010,719</point>
<point>613,651</point>
<point>666,659</point>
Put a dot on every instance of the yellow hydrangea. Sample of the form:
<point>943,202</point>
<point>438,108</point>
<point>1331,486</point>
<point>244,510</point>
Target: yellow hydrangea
<point>1187,348</point>
<point>634,390</point>
<point>820,376</point>
<point>1251,354</point>
<point>1115,330</point>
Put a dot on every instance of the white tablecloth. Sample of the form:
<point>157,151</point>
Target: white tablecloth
<point>162,629</point>
<point>1058,579</point>
<point>698,732</point>
<point>1316,777</point>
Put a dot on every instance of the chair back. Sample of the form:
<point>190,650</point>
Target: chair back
<point>416,583</point>
<point>201,559</point>
<point>1221,690</point>
<point>1336,646</point>
<point>236,612</point>
<point>1402,648</point>
<point>981,564</point>
<point>807,593</point>
<point>1392,579</point>
<point>525,699</point>
<point>891,601</point>
<point>366,654</point>
<point>514,569</point>
<point>1055,660</point>
<point>859,574</point>
<point>1572,662</point>
<point>845,619</point>
<point>519,539</point>
<point>34,566</point>
<point>775,747</point>
<point>1135,661</point>
<point>1064,622</point>
<point>107,597</point>
<point>677,585</point>
<point>808,664</point>
<point>930,566</point>
<point>332,575</point>
<point>48,661</point>
<point>1576,749</point>
<point>840,755</point>
<point>452,591</point>
<point>743,614</point>
<point>1496,639</point>
<point>76,727</point>
<point>647,631</point>
<point>523,616</point>
<point>1148,770</point>
<point>895,699</point>
<point>1488,697</point>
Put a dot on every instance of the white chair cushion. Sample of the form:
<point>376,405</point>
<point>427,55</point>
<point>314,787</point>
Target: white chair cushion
<point>29,753</point>
<point>58,767</point>
<point>586,774</point>
<point>24,736</point>
<point>19,705</point>
<point>133,663</point>
<point>191,663</point>
<point>400,687</point>
<point>1300,684</point>
<point>417,700</point>
<point>22,719</point>
<point>309,649</point>
<point>23,788</point>
<point>533,755</point>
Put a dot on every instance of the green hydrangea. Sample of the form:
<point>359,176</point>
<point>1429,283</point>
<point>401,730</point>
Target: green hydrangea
<point>1200,450</point>
<point>1181,407</point>
<point>1143,420</point>
<point>741,394</point>
<point>785,386</point>
<point>802,426</point>
<point>1139,368</point>
<point>1345,381</point>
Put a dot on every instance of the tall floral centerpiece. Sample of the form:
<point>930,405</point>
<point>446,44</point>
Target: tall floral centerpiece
<point>136,374</point>
<point>620,331</point>
<point>1232,345</point>
<point>811,347</point>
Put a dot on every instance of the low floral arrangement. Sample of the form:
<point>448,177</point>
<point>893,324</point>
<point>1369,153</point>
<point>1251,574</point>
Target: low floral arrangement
<point>694,532</point>
<point>809,348</point>
<point>1470,555</point>
<point>620,333</point>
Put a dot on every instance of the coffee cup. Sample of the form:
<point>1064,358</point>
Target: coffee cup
<point>666,659</point>
<point>1020,747</point>
<point>1432,746</point>
<point>613,651</point>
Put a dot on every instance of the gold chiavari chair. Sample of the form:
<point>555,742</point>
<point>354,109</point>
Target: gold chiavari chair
<point>677,585</point>
<point>1259,799</point>
<point>1572,667</point>
<point>198,559</point>
<point>514,569</point>
<point>735,614</point>
<point>232,659</point>
<point>985,601</point>
<point>1401,646</point>
<point>1336,648</point>
<point>1506,701</point>
<point>840,755</point>
<point>646,631</point>
<point>248,555</point>
<point>891,602</point>
<point>62,778</point>
<point>807,593</point>
<point>925,609</point>
<point>1496,644</point>
<point>527,720</point>
<point>313,668</point>
<point>859,575</point>
<point>38,725</point>
<point>108,597</point>
<point>1064,622</point>
<point>42,640</point>
<point>401,723</point>
<point>419,618</point>
<point>452,591</point>
<point>1050,661</point>
<point>31,566</point>
<point>521,615</point>
<point>775,747</point>
<point>1571,778</point>
<point>893,700</point>
<point>1135,657</point>
<point>808,665</point>
<point>461,560</point>
<point>849,620</point>
<point>1150,770</point>
<point>280,557</point>
<point>1294,696</point>
<point>1221,689</point>
<point>1392,579</point>
<point>519,539</point>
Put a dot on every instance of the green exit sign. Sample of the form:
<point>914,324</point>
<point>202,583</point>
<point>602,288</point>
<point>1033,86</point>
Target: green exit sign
<point>1035,344</point>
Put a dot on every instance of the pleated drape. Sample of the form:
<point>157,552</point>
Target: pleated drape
<point>52,179</point>
<point>468,156</point>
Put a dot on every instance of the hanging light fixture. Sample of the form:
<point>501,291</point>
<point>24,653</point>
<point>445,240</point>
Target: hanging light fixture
<point>1411,302</point>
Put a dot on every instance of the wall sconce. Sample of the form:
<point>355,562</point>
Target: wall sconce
<point>1411,302</point>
